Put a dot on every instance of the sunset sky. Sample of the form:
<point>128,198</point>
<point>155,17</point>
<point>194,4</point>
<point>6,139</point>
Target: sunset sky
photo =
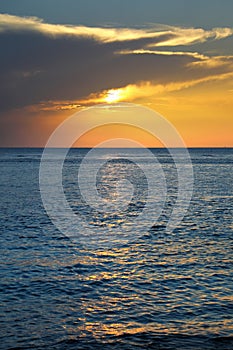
<point>60,56</point>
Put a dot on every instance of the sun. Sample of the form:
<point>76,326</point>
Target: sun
<point>113,95</point>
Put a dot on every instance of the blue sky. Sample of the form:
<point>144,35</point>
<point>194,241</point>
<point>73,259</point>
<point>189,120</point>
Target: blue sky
<point>204,13</point>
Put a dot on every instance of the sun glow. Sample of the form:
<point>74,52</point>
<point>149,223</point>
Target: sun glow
<point>113,95</point>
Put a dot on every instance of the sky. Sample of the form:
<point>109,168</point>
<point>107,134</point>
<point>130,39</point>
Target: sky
<point>61,56</point>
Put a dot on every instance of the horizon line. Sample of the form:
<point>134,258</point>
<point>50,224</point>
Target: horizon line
<point>90,147</point>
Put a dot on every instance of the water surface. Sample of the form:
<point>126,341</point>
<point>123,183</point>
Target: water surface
<point>159,292</point>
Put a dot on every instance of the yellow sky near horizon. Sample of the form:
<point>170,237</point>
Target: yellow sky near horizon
<point>202,114</point>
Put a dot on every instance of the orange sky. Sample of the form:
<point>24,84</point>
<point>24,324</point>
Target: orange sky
<point>201,114</point>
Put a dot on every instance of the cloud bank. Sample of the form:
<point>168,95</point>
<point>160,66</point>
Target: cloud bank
<point>43,63</point>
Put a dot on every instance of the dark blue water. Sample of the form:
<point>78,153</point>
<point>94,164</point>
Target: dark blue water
<point>159,292</point>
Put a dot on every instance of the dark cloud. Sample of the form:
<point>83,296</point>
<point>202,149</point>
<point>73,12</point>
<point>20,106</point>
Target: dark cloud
<point>35,67</point>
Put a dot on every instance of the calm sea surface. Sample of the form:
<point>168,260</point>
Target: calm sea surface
<point>162,291</point>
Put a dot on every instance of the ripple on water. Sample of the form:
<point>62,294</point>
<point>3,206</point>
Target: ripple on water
<point>161,292</point>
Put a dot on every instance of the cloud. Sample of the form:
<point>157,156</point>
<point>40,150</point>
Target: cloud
<point>147,89</point>
<point>216,61</point>
<point>178,36</point>
<point>43,63</point>
<point>188,36</point>
<point>166,53</point>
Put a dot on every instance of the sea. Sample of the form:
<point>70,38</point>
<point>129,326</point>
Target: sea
<point>159,290</point>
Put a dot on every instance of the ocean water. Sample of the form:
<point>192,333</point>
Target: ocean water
<point>159,291</point>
